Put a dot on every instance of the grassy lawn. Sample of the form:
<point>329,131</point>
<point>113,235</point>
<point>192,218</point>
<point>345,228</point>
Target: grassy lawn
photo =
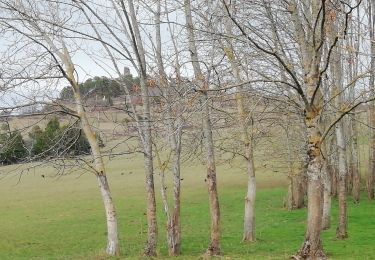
<point>63,218</point>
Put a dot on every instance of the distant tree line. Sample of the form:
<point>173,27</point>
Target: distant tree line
<point>52,141</point>
<point>101,88</point>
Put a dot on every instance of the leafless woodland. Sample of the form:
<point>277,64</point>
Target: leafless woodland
<point>292,80</point>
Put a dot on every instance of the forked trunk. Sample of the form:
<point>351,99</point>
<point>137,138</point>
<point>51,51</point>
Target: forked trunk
<point>173,235</point>
<point>173,219</point>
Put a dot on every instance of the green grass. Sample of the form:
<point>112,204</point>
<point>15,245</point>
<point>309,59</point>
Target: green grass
<point>63,218</point>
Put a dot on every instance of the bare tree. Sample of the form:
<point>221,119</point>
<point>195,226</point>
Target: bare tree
<point>245,121</point>
<point>16,16</point>
<point>306,81</point>
<point>202,82</point>
<point>173,113</point>
<point>371,171</point>
<point>131,50</point>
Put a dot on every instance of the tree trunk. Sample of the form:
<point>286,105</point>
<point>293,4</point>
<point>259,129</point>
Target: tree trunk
<point>337,78</point>
<point>246,125</point>
<point>354,40</point>
<point>355,163</point>
<point>152,234</point>
<point>336,75</point>
<point>356,192</point>
<point>249,219</point>
<point>113,246</point>
<point>173,226</point>
<point>152,231</point>
<point>326,219</point>
<point>341,231</point>
<point>334,181</point>
<point>297,185</point>
<point>354,167</point>
<point>347,129</point>
<point>214,246</point>
<point>175,248</point>
<point>296,192</point>
<point>327,178</point>
<point>370,181</point>
<point>331,164</point>
<point>312,247</point>
<point>371,170</point>
<point>172,233</point>
<point>68,71</point>
<point>174,139</point>
<point>145,132</point>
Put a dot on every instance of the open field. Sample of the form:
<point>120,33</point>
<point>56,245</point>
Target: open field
<point>62,218</point>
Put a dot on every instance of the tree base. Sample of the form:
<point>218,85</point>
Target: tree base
<point>341,236</point>
<point>176,251</point>
<point>248,239</point>
<point>309,254</point>
<point>212,251</point>
<point>149,251</point>
<point>112,249</point>
<point>326,224</point>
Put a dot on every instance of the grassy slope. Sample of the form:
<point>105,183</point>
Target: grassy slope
<point>62,218</point>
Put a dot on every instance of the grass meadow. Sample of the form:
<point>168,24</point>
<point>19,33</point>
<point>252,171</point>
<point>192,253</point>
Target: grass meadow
<point>62,217</point>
